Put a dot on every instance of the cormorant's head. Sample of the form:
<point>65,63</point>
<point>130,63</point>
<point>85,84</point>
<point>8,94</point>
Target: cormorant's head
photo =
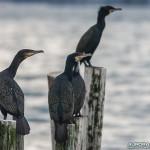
<point>106,10</point>
<point>77,56</point>
<point>25,53</point>
<point>72,60</point>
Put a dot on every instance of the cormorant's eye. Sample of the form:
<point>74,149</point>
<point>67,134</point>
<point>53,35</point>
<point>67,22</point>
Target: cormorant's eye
<point>29,54</point>
<point>77,58</point>
<point>111,10</point>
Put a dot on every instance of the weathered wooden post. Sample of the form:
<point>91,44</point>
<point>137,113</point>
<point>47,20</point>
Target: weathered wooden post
<point>76,136</point>
<point>76,132</point>
<point>7,135</point>
<point>19,142</point>
<point>95,79</point>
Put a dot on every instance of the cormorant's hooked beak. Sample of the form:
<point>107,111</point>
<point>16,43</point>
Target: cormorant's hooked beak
<point>39,51</point>
<point>34,52</point>
<point>81,56</point>
<point>115,9</point>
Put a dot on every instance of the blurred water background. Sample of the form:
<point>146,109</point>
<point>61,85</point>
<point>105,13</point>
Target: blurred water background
<point>124,50</point>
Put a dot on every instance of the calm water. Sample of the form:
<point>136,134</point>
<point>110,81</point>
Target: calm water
<point>124,51</point>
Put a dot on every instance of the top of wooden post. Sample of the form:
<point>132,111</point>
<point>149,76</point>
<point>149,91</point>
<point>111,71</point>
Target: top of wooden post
<point>8,121</point>
<point>53,75</point>
<point>94,67</point>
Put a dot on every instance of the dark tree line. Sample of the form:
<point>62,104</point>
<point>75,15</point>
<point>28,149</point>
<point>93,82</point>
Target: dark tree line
<point>82,1</point>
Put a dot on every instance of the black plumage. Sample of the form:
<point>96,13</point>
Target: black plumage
<point>11,95</point>
<point>61,98</point>
<point>79,91</point>
<point>90,40</point>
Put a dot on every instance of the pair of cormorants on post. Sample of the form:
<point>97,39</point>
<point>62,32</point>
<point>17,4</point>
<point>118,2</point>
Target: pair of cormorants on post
<point>61,97</point>
<point>67,92</point>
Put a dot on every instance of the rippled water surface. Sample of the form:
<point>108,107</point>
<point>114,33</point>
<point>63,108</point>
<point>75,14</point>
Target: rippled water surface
<point>124,51</point>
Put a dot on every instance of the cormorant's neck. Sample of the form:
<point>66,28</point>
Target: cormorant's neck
<point>14,66</point>
<point>68,70</point>
<point>101,19</point>
<point>76,70</point>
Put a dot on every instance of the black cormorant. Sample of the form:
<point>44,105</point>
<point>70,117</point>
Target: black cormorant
<point>11,95</point>
<point>79,91</point>
<point>61,98</point>
<point>90,40</point>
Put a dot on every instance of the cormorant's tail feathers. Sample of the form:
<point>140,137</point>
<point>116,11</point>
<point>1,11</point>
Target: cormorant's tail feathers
<point>61,133</point>
<point>22,126</point>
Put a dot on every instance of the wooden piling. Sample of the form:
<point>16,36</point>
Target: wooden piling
<point>19,142</point>
<point>76,136</point>
<point>51,76</point>
<point>95,79</point>
<point>76,132</point>
<point>7,135</point>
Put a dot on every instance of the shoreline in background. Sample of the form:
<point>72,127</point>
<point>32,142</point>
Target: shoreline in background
<point>61,2</point>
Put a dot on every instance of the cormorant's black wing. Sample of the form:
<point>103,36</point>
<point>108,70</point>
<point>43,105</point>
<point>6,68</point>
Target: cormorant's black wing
<point>60,98</point>
<point>85,40</point>
<point>79,92</point>
<point>11,96</point>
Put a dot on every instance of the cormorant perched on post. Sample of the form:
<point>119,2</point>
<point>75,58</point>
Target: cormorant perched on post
<point>79,91</point>
<point>61,98</point>
<point>11,95</point>
<point>90,40</point>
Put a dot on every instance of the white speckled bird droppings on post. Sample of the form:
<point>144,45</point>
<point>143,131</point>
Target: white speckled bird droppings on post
<point>7,135</point>
<point>95,79</point>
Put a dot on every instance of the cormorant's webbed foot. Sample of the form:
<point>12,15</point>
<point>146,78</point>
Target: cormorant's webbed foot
<point>72,120</point>
<point>78,115</point>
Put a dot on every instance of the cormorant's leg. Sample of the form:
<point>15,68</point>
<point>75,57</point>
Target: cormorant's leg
<point>85,63</point>
<point>5,116</point>
<point>76,115</point>
<point>80,115</point>
<point>4,112</point>
<point>89,63</point>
